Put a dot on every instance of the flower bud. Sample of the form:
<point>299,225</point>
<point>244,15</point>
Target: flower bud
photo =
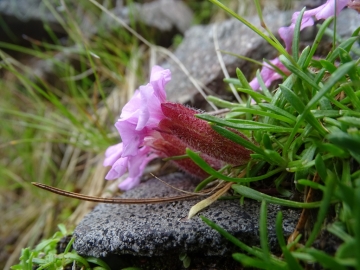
<point>171,146</point>
<point>181,122</point>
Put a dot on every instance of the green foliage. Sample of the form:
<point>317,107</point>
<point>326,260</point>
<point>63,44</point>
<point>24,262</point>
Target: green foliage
<point>185,259</point>
<point>46,255</point>
<point>307,128</point>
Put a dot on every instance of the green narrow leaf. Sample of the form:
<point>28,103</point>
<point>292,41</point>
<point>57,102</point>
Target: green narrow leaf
<point>69,245</point>
<point>267,142</point>
<point>245,84</point>
<point>45,243</point>
<point>278,110</point>
<point>62,229</point>
<point>298,72</point>
<point>207,168</point>
<point>256,195</point>
<point>99,262</point>
<point>320,167</point>
<point>325,203</point>
<point>251,262</point>
<point>258,97</point>
<point>325,113</point>
<point>241,124</point>
<point>265,113</point>
<point>293,99</point>
<point>276,44</point>
<point>231,238</point>
<point>350,121</point>
<point>346,45</point>
<point>345,194</point>
<point>279,231</point>
<point>263,232</point>
<point>237,139</point>
<point>275,157</point>
<point>337,228</point>
<point>320,76</point>
<point>311,184</point>
<point>346,172</point>
<point>263,87</point>
<point>334,79</point>
<point>232,81</point>
<point>222,103</point>
<point>76,257</point>
<point>357,224</point>
<point>209,179</point>
<point>303,56</point>
<point>26,263</point>
<point>350,142</point>
<point>325,260</point>
<point>317,40</point>
<point>290,260</point>
<point>345,57</point>
<point>328,66</point>
<point>347,251</point>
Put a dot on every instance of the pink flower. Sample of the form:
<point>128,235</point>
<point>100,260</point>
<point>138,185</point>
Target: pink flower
<point>322,12</point>
<point>137,122</point>
<point>151,127</point>
<point>287,33</point>
<point>135,165</point>
<point>143,112</point>
<point>268,74</point>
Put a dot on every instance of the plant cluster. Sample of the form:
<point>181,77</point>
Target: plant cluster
<point>55,254</point>
<point>307,130</point>
<point>304,134</point>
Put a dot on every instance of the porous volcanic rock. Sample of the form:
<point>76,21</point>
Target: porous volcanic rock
<point>163,229</point>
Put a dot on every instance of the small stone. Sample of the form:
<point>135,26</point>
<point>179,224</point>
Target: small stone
<point>197,54</point>
<point>163,229</point>
<point>26,18</point>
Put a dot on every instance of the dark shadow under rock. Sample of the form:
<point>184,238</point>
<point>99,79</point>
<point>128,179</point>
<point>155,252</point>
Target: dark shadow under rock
<point>20,18</point>
<point>163,230</point>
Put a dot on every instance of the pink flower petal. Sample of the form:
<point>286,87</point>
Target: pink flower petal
<point>322,12</point>
<point>136,167</point>
<point>118,169</point>
<point>268,74</point>
<point>132,139</point>
<point>158,79</point>
<point>138,121</point>
<point>287,34</point>
<point>131,108</point>
<point>327,10</point>
<point>150,111</point>
<point>112,154</point>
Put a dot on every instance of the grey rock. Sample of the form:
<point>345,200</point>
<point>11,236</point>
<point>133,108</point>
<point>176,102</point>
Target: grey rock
<point>197,53</point>
<point>347,22</point>
<point>162,18</point>
<point>163,15</point>
<point>26,17</point>
<point>26,10</point>
<point>163,229</point>
<point>165,18</point>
